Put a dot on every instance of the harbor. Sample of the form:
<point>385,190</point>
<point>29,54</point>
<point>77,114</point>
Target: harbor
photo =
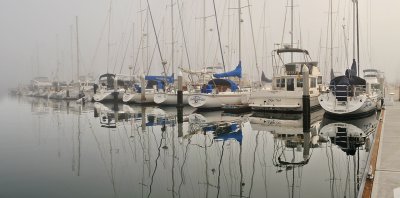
<point>124,150</point>
<point>188,98</point>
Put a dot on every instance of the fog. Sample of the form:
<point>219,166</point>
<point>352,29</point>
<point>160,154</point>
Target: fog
<point>39,38</point>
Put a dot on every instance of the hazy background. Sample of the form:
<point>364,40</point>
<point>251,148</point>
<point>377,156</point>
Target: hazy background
<point>38,38</point>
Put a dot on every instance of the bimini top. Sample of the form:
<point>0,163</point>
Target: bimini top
<point>107,75</point>
<point>237,72</point>
<point>297,50</point>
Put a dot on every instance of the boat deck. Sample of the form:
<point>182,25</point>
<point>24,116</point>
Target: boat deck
<point>387,171</point>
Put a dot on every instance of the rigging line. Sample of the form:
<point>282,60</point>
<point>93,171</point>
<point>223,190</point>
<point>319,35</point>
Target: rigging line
<point>284,22</point>
<point>126,50</point>
<point>119,49</point>
<point>140,45</point>
<point>152,54</point>
<point>157,41</point>
<point>184,38</point>
<point>109,32</point>
<point>98,44</point>
<point>219,35</point>
<point>254,41</point>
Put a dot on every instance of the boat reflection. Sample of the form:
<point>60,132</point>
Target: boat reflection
<point>354,138</point>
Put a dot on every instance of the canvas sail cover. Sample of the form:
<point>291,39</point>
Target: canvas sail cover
<point>237,72</point>
<point>264,78</point>
<point>168,79</point>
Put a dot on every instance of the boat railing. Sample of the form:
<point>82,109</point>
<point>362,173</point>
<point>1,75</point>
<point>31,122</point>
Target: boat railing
<point>342,92</point>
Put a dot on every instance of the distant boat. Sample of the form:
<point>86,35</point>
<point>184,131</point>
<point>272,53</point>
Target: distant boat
<point>108,89</point>
<point>153,83</point>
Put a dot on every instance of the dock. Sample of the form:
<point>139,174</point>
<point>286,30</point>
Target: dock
<point>386,181</point>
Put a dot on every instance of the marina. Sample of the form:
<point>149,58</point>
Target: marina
<point>211,98</point>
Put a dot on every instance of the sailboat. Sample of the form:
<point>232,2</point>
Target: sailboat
<point>218,91</point>
<point>152,84</point>
<point>350,95</point>
<point>108,89</point>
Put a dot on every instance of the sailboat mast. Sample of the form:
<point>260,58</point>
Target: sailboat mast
<point>291,30</point>
<point>77,49</point>
<point>172,37</point>
<point>240,31</point>
<point>204,33</point>
<point>354,31</point>
<point>109,32</point>
<point>358,41</point>
<point>331,21</point>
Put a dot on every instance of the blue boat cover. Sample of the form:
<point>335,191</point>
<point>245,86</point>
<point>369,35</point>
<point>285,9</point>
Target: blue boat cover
<point>168,79</point>
<point>237,72</point>
<point>222,82</point>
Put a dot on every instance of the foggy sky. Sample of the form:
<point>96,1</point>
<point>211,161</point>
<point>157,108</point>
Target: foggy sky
<point>36,35</point>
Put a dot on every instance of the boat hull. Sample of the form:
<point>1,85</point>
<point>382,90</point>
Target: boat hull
<point>169,98</point>
<point>214,100</point>
<point>354,106</point>
<point>273,100</point>
<point>107,95</point>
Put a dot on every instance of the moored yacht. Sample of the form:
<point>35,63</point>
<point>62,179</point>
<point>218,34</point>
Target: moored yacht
<point>350,95</point>
<point>287,83</point>
<point>219,91</point>
<point>108,89</point>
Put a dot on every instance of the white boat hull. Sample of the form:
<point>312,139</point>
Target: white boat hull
<point>278,100</point>
<point>353,106</point>
<point>170,98</point>
<point>106,95</point>
<point>214,100</point>
<point>137,98</point>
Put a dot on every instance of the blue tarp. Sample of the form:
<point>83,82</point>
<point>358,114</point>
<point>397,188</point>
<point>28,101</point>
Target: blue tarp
<point>237,72</point>
<point>168,79</point>
<point>219,82</point>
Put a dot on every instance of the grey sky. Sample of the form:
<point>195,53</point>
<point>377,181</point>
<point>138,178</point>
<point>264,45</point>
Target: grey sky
<point>31,30</point>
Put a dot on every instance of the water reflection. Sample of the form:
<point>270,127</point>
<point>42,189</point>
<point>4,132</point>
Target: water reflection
<point>354,138</point>
<point>134,151</point>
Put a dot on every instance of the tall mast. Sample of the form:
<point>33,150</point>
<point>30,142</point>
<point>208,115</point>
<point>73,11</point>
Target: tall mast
<point>358,42</point>
<point>72,53</point>
<point>354,31</point>
<point>109,32</point>
<point>133,49</point>
<point>331,21</point>
<point>291,30</point>
<point>240,31</point>
<point>204,33</point>
<point>172,37</point>
<point>77,48</point>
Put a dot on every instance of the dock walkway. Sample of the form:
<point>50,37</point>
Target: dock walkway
<point>387,173</point>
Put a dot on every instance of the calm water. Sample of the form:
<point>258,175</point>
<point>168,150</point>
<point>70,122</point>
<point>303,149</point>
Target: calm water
<point>59,149</point>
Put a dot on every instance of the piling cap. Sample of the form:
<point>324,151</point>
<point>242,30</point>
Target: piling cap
<point>180,73</point>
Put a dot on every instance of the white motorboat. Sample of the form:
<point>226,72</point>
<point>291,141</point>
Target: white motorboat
<point>286,92</point>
